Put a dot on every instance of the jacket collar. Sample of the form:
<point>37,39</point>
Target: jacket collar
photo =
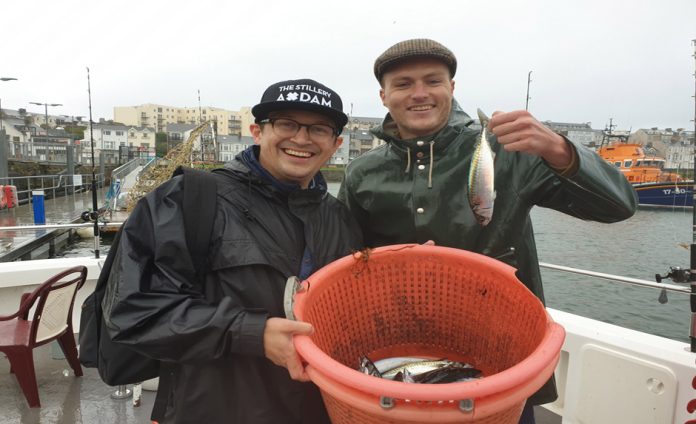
<point>247,165</point>
<point>424,147</point>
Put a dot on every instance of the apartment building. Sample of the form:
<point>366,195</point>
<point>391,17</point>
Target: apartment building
<point>159,116</point>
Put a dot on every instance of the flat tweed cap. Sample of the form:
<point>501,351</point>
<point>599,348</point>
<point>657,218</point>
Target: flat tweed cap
<point>417,47</point>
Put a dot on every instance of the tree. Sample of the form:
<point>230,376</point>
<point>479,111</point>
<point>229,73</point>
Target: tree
<point>161,144</point>
<point>77,132</point>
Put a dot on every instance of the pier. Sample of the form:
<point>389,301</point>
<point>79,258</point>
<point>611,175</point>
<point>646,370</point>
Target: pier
<point>42,243</point>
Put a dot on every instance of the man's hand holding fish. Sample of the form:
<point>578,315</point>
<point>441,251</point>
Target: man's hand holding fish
<point>519,131</point>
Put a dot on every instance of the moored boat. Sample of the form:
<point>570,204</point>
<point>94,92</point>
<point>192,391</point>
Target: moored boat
<point>674,194</point>
<point>654,186</point>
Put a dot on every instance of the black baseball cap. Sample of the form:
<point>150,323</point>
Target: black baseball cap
<point>303,94</point>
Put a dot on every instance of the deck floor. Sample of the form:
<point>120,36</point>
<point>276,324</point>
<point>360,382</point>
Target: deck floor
<point>86,400</point>
<point>66,399</point>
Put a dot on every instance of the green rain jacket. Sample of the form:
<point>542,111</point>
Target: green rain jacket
<point>412,191</point>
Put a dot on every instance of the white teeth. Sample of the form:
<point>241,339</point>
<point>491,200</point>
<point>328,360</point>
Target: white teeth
<point>298,153</point>
<point>421,108</point>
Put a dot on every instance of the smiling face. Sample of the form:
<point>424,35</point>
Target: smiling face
<point>294,159</point>
<point>418,94</point>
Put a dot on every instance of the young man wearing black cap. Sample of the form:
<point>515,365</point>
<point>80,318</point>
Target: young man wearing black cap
<point>414,187</point>
<point>226,340</point>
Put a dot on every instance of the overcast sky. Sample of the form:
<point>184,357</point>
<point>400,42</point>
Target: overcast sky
<point>590,60</point>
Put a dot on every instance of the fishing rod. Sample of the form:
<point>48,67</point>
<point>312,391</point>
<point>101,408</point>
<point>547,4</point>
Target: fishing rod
<point>692,279</point>
<point>95,207</point>
<point>677,274</point>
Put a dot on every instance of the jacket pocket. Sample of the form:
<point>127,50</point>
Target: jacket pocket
<point>244,252</point>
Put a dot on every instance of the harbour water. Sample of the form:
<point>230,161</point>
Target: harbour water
<point>640,247</point>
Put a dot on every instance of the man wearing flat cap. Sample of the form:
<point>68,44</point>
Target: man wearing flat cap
<point>415,187</point>
<point>226,338</point>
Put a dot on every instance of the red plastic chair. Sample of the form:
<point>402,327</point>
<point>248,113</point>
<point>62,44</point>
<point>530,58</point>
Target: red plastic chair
<point>52,320</point>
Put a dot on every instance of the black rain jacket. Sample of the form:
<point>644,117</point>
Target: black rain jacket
<point>212,336</point>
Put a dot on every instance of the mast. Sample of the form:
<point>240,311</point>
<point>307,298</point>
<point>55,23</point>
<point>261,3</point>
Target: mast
<point>526,102</point>
<point>692,279</point>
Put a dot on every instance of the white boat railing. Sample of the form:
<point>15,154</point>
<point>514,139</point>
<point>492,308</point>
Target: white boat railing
<point>618,278</point>
<point>57,226</point>
<point>605,276</point>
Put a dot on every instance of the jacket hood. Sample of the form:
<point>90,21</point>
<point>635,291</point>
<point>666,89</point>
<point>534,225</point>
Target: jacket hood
<point>246,166</point>
<point>437,142</point>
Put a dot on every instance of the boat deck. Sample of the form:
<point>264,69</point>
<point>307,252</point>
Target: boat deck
<point>87,400</point>
<point>66,399</point>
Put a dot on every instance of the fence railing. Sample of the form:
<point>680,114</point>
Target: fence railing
<point>122,171</point>
<point>52,185</point>
<point>57,153</point>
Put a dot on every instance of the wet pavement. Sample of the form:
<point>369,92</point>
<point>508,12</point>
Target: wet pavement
<point>66,399</point>
<point>59,210</point>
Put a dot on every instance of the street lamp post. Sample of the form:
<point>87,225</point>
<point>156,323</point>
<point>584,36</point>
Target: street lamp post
<point>4,79</point>
<point>46,105</point>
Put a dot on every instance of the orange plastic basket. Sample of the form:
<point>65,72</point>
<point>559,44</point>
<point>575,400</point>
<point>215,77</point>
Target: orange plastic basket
<point>420,300</point>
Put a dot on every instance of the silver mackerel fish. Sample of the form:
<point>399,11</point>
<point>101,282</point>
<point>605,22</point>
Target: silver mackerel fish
<point>481,177</point>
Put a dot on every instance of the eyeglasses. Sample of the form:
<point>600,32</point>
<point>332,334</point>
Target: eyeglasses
<point>284,127</point>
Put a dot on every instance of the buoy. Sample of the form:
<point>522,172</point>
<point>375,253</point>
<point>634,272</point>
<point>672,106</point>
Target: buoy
<point>10,196</point>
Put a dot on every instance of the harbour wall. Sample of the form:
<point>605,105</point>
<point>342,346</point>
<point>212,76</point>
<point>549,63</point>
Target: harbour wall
<point>28,169</point>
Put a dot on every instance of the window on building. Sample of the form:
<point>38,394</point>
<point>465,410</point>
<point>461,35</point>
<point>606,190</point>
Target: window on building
<point>119,132</point>
<point>106,132</point>
<point>159,109</point>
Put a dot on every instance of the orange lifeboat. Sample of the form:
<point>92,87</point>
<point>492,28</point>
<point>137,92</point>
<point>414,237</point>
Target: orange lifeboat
<point>636,166</point>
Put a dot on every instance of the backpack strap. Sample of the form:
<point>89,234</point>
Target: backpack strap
<point>200,199</point>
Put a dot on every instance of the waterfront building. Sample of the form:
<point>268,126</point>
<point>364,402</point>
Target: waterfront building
<point>342,155</point>
<point>156,116</point>
<point>361,139</point>
<point>676,146</point>
<point>116,143</point>
<point>142,139</point>
<point>230,145</point>
<point>578,132</point>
